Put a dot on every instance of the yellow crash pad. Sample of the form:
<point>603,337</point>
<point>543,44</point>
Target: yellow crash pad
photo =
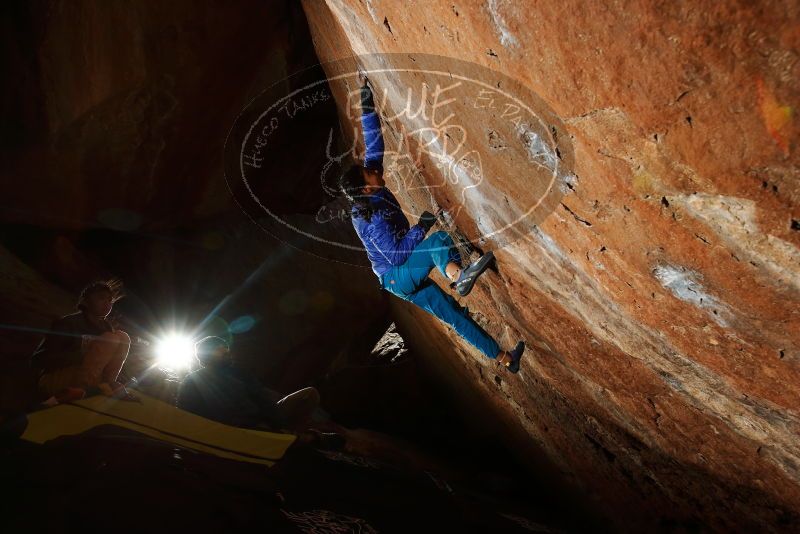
<point>158,420</point>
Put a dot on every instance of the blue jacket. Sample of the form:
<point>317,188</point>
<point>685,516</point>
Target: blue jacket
<point>386,236</point>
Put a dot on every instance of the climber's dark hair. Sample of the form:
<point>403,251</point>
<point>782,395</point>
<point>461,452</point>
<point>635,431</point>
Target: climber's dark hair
<point>352,183</point>
<point>112,287</point>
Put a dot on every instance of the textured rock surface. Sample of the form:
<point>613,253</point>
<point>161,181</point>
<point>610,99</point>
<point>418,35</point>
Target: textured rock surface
<point>120,110</point>
<point>660,298</point>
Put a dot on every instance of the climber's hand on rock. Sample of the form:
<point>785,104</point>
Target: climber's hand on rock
<point>362,76</point>
<point>427,220</point>
<point>367,102</point>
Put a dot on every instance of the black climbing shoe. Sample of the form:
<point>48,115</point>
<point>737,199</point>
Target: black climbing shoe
<point>468,276</point>
<point>516,356</point>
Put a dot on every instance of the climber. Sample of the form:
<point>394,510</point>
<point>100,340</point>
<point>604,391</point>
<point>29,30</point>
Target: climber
<point>84,350</point>
<point>222,391</point>
<point>401,256</point>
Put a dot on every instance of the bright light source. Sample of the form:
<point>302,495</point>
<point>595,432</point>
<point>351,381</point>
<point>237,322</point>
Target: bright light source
<point>175,352</point>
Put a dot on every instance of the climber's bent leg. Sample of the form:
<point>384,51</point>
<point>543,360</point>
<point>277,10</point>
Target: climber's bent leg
<point>431,298</point>
<point>442,250</point>
<point>436,250</point>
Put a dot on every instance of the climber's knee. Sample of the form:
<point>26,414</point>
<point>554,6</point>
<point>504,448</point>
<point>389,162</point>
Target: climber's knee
<point>445,241</point>
<point>442,237</point>
<point>441,240</point>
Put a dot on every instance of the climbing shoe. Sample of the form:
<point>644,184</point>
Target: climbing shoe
<point>516,356</point>
<point>469,275</point>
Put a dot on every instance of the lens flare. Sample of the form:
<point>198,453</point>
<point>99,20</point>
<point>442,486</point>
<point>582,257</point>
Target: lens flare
<point>175,352</point>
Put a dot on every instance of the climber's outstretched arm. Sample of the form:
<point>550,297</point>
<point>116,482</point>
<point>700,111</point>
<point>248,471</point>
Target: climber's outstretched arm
<point>371,127</point>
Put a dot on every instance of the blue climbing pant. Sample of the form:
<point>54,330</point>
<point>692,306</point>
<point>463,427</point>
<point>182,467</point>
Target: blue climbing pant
<point>410,282</point>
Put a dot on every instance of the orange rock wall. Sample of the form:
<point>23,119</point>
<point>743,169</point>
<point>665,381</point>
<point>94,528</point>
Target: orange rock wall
<point>660,298</point>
